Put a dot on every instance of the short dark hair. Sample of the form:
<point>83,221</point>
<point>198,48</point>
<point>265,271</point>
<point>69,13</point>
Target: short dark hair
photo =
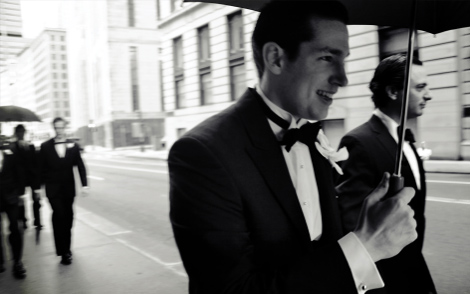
<point>20,128</point>
<point>389,72</point>
<point>287,23</point>
<point>57,119</point>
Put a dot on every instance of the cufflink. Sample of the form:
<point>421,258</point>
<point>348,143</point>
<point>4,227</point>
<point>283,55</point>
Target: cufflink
<point>363,287</point>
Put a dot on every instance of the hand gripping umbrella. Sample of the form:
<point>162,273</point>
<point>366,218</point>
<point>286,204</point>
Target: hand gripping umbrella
<point>433,16</point>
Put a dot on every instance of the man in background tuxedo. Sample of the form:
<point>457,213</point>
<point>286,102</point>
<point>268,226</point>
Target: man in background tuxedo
<point>57,158</point>
<point>372,149</point>
<point>11,188</point>
<point>27,156</point>
<point>252,200</point>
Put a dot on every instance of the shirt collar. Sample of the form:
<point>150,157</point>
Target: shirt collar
<point>389,123</point>
<point>281,112</point>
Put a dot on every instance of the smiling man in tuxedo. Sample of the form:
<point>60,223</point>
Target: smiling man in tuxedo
<point>372,147</point>
<point>57,158</point>
<point>252,200</point>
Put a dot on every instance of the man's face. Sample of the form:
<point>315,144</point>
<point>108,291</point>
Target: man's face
<point>309,81</point>
<point>419,91</point>
<point>59,128</point>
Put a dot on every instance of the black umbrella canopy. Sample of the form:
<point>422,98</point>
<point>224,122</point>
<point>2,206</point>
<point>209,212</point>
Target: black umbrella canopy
<point>13,113</point>
<point>433,16</point>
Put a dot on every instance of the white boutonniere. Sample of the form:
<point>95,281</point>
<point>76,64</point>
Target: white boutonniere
<point>423,152</point>
<point>333,156</point>
<point>70,145</point>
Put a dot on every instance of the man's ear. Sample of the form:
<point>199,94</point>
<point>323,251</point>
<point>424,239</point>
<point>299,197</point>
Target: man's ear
<point>272,57</point>
<point>392,92</point>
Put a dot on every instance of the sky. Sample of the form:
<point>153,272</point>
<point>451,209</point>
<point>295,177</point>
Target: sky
<point>37,15</point>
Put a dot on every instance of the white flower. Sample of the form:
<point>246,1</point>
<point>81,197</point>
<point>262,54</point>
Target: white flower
<point>424,153</point>
<point>333,156</point>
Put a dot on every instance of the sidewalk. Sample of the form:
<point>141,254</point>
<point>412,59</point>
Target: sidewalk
<point>431,166</point>
<point>100,264</point>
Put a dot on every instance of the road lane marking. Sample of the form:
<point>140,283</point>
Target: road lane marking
<point>448,200</point>
<point>95,178</point>
<point>448,182</point>
<point>130,168</point>
<point>169,265</point>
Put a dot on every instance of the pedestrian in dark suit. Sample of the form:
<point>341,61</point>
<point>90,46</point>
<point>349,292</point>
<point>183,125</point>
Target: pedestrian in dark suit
<point>372,147</point>
<point>11,188</point>
<point>254,210</point>
<point>27,156</point>
<point>57,157</point>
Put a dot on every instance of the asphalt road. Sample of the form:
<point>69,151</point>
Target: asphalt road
<point>129,198</point>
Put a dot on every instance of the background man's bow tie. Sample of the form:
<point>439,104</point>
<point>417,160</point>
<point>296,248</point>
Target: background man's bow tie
<point>408,135</point>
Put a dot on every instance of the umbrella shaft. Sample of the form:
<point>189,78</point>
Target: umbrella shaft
<point>406,91</point>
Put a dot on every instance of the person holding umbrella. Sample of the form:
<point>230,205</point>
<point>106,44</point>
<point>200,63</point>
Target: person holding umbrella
<point>252,200</point>
<point>372,148</point>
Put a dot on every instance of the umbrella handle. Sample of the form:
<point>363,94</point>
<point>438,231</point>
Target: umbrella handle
<point>395,185</point>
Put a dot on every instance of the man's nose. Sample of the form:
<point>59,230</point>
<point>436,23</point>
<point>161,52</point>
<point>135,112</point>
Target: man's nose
<point>427,96</point>
<point>339,77</point>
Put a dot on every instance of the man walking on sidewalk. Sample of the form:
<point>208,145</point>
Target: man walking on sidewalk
<point>372,150</point>
<point>57,158</point>
<point>27,156</point>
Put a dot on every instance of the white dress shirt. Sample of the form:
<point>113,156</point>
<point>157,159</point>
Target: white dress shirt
<point>302,173</point>
<point>60,148</point>
<point>392,126</point>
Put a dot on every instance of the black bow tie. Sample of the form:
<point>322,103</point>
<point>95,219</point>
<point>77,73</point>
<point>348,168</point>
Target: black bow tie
<point>409,137</point>
<point>306,134</point>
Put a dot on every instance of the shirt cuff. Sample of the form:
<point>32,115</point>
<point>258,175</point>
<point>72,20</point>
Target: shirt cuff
<point>364,272</point>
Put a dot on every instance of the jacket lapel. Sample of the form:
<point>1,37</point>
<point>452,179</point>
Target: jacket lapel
<point>266,154</point>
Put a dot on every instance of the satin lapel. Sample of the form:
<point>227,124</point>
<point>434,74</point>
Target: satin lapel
<point>332,229</point>
<point>267,155</point>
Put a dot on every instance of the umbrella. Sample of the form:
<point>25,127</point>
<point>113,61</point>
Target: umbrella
<point>433,16</point>
<point>16,113</point>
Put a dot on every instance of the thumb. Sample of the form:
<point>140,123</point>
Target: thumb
<point>380,191</point>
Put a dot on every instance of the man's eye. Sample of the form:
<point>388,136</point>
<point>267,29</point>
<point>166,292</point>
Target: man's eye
<point>327,58</point>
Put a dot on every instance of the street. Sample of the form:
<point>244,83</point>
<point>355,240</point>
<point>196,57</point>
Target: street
<point>129,202</point>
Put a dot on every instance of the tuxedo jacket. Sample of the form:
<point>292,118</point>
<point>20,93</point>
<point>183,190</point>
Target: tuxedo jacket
<point>372,152</point>
<point>28,159</point>
<point>236,217</point>
<point>11,179</point>
<point>57,173</point>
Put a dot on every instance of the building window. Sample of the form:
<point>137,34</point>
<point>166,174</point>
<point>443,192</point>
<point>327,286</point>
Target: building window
<point>54,75</point>
<point>178,55</point>
<point>63,57</point>
<point>131,12</point>
<point>466,123</point>
<point>62,38</point>
<point>206,88</point>
<point>180,132</point>
<point>52,38</point>
<point>56,103</point>
<point>179,94</point>
<point>203,44</point>
<point>64,75</point>
<point>134,78</point>
<point>53,56</point>
<point>66,104</point>
<point>205,78</point>
<point>53,66</point>
<point>237,80</point>
<point>159,16</point>
<point>235,23</point>
<point>394,41</point>
<point>62,47</point>
<point>67,113</point>
<point>52,47</point>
